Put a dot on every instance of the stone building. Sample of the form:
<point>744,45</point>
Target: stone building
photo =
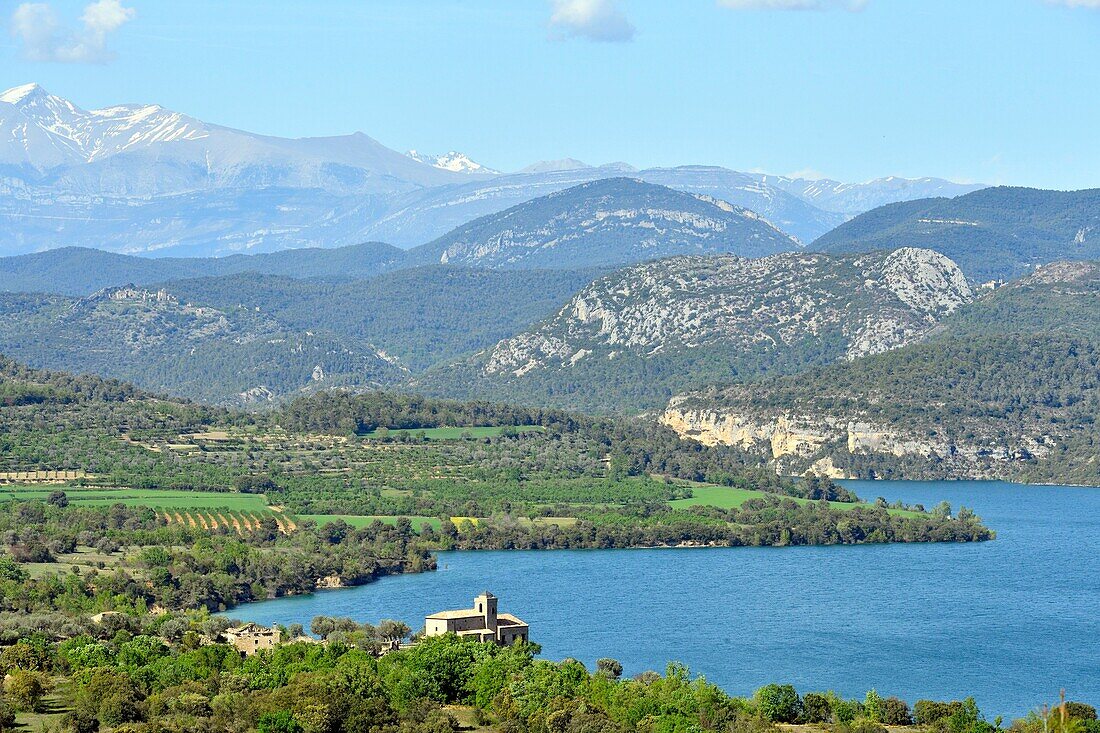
<point>251,638</point>
<point>482,622</point>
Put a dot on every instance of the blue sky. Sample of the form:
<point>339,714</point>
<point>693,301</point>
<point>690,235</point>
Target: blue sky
<point>998,91</point>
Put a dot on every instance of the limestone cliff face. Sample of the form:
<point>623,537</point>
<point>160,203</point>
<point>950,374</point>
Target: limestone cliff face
<point>794,443</point>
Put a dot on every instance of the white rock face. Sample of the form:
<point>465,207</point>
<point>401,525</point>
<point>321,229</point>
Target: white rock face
<point>874,302</point>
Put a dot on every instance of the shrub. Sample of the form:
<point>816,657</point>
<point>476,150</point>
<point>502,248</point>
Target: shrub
<point>778,703</point>
<point>279,722</point>
<point>927,712</point>
<point>816,708</point>
<point>862,725</point>
<point>610,668</point>
<point>1080,711</point>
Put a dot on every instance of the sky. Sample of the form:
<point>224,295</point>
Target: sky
<point>991,91</point>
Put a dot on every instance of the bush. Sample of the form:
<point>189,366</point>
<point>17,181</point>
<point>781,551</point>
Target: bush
<point>280,722</point>
<point>778,703</point>
<point>927,712</point>
<point>862,725</point>
<point>816,708</point>
<point>1080,711</point>
<point>26,689</point>
<point>610,668</point>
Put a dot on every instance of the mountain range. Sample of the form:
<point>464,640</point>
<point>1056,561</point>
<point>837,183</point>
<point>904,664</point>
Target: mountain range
<point>145,179</point>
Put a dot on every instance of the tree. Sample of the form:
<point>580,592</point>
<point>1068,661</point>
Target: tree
<point>894,711</point>
<point>278,722</point>
<point>322,626</point>
<point>25,689</point>
<point>58,499</point>
<point>390,631</point>
<point>778,703</point>
<point>610,668</point>
<point>872,705</point>
<point>816,708</point>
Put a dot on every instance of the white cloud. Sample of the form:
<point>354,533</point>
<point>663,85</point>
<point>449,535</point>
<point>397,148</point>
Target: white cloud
<point>1094,4</point>
<point>44,38</point>
<point>850,5</point>
<point>594,20</point>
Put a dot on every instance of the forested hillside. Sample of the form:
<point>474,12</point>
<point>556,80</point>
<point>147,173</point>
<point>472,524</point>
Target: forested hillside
<point>421,316</point>
<point>229,356</point>
<point>632,339</point>
<point>1019,407</point>
<point>994,233</point>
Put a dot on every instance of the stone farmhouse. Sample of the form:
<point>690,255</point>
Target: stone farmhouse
<point>251,638</point>
<point>482,622</point>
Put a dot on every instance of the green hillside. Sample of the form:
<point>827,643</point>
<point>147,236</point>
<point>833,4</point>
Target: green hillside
<point>994,233</point>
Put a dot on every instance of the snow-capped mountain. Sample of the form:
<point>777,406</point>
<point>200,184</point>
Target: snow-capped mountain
<point>142,178</point>
<point>147,150</point>
<point>453,161</point>
<point>83,137</point>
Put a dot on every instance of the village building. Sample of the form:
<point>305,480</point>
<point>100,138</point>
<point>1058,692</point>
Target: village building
<point>251,638</point>
<point>482,622</point>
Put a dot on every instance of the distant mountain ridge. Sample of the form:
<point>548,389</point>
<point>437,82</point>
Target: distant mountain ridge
<point>855,198</point>
<point>82,271</point>
<point>145,179</point>
<point>611,221</point>
<point>995,233</point>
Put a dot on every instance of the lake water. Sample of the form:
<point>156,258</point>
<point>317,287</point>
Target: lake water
<point>1009,621</point>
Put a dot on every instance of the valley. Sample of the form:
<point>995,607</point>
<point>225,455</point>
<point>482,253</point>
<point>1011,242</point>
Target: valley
<point>641,324</point>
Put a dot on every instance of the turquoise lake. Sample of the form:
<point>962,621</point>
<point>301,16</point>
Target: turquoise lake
<point>1009,622</point>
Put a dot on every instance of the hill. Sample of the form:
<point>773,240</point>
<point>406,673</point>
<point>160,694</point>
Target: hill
<point>608,222</point>
<point>995,233</point>
<point>82,270</point>
<point>1005,387</point>
<point>164,344</point>
<point>633,338</point>
<point>1062,297</point>
<point>419,316</point>
<point>1014,407</point>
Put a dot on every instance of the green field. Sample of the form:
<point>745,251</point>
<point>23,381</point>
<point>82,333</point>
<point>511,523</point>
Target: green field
<point>452,433</point>
<point>725,497</point>
<point>418,523</point>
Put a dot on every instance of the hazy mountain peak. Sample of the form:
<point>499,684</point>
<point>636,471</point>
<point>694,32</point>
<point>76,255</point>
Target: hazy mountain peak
<point>551,166</point>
